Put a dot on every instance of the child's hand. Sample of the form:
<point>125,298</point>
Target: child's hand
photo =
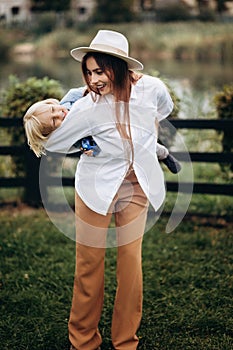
<point>89,153</point>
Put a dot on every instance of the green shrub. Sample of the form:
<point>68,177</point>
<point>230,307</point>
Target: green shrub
<point>207,15</point>
<point>17,99</point>
<point>224,104</point>
<point>59,43</point>
<point>178,12</point>
<point>45,23</point>
<point>5,45</point>
<point>113,11</point>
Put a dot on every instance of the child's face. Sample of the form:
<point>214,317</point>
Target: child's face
<point>51,116</point>
<point>97,78</point>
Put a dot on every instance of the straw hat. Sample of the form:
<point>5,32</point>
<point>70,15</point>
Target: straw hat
<point>111,43</point>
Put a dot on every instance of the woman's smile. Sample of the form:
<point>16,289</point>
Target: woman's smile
<point>99,81</point>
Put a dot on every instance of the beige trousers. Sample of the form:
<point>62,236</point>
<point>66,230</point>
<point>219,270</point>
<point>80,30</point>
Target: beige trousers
<point>130,211</point>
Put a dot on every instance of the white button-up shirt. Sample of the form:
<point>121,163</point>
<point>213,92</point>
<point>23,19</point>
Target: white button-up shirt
<point>97,179</point>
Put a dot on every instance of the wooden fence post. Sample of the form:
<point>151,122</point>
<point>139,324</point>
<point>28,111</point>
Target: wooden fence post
<point>32,194</point>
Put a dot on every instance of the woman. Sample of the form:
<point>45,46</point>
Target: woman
<point>43,117</point>
<point>121,113</point>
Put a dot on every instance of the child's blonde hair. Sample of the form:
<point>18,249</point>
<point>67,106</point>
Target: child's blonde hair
<point>36,131</point>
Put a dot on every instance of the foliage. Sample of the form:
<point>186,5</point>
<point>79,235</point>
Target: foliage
<point>45,23</point>
<point>17,99</point>
<point>113,11</point>
<point>187,285</point>
<point>59,42</point>
<point>176,100</point>
<point>4,46</point>
<point>221,5</point>
<point>8,38</point>
<point>224,104</point>
<point>200,41</point>
<point>178,12</point>
<point>207,15</point>
<point>50,5</point>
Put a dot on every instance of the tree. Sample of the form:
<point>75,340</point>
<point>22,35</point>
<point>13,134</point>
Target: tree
<point>221,6</point>
<point>113,11</point>
<point>50,5</point>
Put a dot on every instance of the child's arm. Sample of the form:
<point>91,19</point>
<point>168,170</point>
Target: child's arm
<point>67,101</point>
<point>72,96</point>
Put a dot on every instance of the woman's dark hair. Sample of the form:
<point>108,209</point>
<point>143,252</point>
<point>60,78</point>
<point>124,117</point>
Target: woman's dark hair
<point>116,70</point>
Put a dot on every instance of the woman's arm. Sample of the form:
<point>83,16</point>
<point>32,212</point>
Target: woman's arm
<point>74,127</point>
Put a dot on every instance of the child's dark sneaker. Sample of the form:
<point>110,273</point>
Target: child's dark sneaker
<point>172,164</point>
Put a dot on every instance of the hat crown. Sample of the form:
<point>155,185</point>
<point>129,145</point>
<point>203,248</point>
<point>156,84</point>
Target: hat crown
<point>111,43</point>
<point>109,38</point>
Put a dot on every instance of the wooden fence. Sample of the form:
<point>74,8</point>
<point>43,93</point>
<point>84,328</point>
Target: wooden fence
<point>31,181</point>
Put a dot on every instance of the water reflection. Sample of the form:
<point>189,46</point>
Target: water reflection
<point>67,71</point>
<point>201,75</point>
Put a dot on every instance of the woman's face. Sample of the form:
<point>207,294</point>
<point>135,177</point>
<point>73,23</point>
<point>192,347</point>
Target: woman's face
<point>98,80</point>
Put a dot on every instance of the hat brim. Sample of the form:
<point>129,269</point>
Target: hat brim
<point>80,52</point>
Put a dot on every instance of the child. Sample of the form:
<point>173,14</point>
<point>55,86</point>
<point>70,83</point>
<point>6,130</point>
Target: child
<point>45,116</point>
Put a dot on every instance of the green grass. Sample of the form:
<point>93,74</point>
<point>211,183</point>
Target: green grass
<point>188,285</point>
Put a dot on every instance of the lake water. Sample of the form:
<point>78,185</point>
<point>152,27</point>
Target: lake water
<point>195,83</point>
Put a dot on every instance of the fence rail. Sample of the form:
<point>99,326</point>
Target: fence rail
<point>32,174</point>
<point>215,124</point>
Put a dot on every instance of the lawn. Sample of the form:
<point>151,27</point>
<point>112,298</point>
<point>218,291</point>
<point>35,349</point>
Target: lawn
<point>188,285</point>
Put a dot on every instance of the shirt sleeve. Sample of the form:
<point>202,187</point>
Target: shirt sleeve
<point>74,127</point>
<point>71,97</point>
<point>164,102</point>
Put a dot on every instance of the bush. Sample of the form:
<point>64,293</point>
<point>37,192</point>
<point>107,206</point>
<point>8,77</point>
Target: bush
<point>113,11</point>
<point>18,98</point>
<point>21,95</point>
<point>59,43</point>
<point>224,104</point>
<point>207,15</point>
<point>15,101</point>
<point>178,12</point>
<point>44,23</point>
<point>4,48</point>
